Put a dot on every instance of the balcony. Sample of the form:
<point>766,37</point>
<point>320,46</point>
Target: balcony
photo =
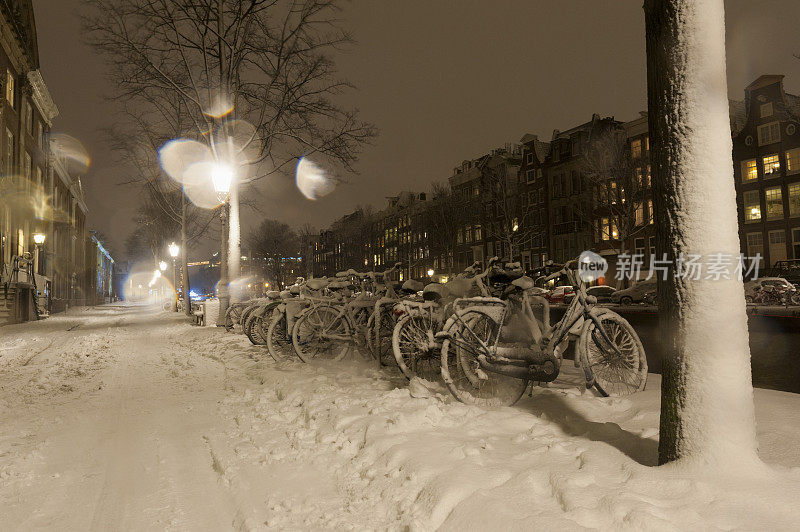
<point>565,228</point>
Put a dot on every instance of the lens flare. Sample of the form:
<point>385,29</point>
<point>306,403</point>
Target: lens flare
<point>70,152</point>
<point>176,156</point>
<point>311,180</point>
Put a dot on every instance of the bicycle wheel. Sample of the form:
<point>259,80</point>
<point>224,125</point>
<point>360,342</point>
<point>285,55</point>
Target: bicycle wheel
<point>232,317</point>
<point>252,327</point>
<point>462,374</point>
<point>279,341</point>
<point>415,349</point>
<point>318,334</point>
<point>382,337</point>
<point>616,373</point>
<point>361,328</point>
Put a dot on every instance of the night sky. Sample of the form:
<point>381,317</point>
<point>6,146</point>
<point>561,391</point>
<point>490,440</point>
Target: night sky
<point>443,80</point>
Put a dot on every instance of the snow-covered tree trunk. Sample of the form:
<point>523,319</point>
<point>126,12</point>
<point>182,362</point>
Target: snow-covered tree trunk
<point>234,243</point>
<point>707,412</point>
<point>185,285</point>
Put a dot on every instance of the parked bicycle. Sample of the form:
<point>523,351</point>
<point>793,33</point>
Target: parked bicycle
<point>492,350</point>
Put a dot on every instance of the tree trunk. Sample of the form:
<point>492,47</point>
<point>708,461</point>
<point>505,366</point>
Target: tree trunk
<point>185,285</point>
<point>707,413</point>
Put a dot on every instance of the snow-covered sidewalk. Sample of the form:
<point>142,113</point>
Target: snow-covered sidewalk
<point>129,418</point>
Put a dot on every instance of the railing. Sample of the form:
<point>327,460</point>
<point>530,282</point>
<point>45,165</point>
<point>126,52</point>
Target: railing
<point>21,264</point>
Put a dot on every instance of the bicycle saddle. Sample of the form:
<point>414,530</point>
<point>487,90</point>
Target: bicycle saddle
<point>273,294</point>
<point>433,292</point>
<point>294,290</point>
<point>412,286</point>
<point>317,284</point>
<point>286,294</point>
<point>504,276</point>
<point>523,283</point>
<point>458,287</point>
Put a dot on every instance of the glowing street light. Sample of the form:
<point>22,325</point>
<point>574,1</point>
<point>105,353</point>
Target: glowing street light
<point>430,272</point>
<point>162,266</point>
<point>38,238</point>
<point>173,252</point>
<point>221,178</point>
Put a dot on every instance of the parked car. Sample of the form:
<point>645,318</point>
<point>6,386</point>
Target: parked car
<point>634,294</point>
<point>601,292</point>
<point>778,284</point>
<point>557,294</point>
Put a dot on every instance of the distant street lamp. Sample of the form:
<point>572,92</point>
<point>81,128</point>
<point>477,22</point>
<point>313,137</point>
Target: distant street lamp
<point>430,272</point>
<point>162,266</point>
<point>173,252</point>
<point>38,239</point>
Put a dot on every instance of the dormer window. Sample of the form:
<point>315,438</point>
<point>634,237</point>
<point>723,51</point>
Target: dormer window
<point>766,109</point>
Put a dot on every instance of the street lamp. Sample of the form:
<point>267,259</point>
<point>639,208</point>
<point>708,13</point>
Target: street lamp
<point>38,239</point>
<point>173,252</point>
<point>222,177</point>
<point>430,272</point>
<point>162,266</point>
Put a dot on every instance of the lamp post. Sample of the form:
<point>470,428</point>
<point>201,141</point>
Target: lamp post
<point>221,178</point>
<point>38,239</point>
<point>173,252</point>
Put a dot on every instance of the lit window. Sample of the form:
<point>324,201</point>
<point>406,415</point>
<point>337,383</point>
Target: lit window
<point>794,199</point>
<point>769,133</point>
<point>793,161</point>
<point>10,87</point>
<point>636,148</point>
<point>749,170</point>
<point>640,213</point>
<point>766,109</point>
<point>774,201</point>
<point>649,175</point>
<point>772,164</point>
<point>650,210</point>
<point>752,206</point>
<point>20,242</point>
<point>478,233</point>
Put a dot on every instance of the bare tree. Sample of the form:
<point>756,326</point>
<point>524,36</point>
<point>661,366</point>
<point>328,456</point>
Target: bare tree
<point>707,413</point>
<point>620,186</point>
<point>275,242</point>
<point>265,62</point>
<point>446,215</point>
<point>506,208</point>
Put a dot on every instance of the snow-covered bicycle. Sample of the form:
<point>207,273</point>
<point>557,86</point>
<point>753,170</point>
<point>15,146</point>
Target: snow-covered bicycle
<point>492,350</point>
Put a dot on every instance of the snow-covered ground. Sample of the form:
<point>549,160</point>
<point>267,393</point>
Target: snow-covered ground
<point>124,417</point>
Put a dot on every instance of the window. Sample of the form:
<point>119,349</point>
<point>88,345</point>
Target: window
<point>10,87</point>
<point>28,117</point>
<point>20,242</point>
<point>459,236</point>
<point>772,165</point>
<point>38,174</point>
<point>749,170</point>
<point>640,214</point>
<point>652,243</point>
<point>636,148</point>
<point>766,109</point>
<point>774,202</point>
<point>752,206</point>
<point>647,143</point>
<point>28,167</point>
<point>769,133</point>
<point>529,175</point>
<point>755,244</point>
<point>468,235</point>
<point>9,152</point>
<point>639,177</point>
<point>478,233</point>
<point>796,243</point>
<point>793,161</point>
<point>650,212</point>
<point>638,245</point>
<point>794,199</point>
<point>649,175</point>
<point>608,229</point>
<point>39,135</point>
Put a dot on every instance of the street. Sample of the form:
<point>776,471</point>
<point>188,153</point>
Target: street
<point>126,417</point>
